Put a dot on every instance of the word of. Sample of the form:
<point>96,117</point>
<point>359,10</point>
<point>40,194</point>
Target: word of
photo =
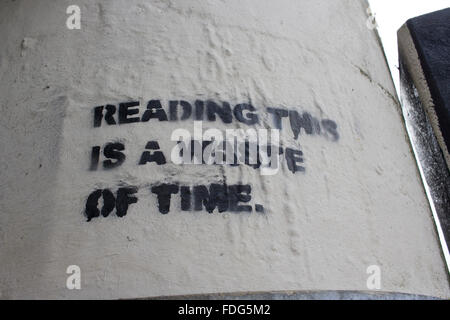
<point>120,202</point>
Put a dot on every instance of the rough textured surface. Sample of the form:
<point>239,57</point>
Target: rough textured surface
<point>359,203</point>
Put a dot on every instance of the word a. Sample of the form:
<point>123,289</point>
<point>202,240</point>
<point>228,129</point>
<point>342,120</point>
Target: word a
<point>74,20</point>
<point>74,280</point>
<point>374,280</point>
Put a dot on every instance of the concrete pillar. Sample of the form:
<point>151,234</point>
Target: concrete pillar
<point>80,107</point>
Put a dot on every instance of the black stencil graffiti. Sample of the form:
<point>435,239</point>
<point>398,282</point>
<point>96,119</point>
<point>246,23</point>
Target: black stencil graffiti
<point>120,202</point>
<point>208,110</point>
<point>215,197</point>
<point>200,197</point>
<point>115,157</point>
<point>113,154</point>
<point>156,156</point>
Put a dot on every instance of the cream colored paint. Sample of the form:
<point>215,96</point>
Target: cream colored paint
<point>360,202</point>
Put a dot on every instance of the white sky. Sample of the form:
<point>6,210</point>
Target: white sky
<point>391,15</point>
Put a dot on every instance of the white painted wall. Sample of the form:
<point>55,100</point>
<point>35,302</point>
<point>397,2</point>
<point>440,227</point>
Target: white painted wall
<point>359,203</point>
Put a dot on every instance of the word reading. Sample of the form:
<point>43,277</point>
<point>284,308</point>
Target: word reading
<point>128,112</point>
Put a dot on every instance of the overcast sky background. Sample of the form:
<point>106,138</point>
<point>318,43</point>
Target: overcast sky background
<point>391,15</point>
